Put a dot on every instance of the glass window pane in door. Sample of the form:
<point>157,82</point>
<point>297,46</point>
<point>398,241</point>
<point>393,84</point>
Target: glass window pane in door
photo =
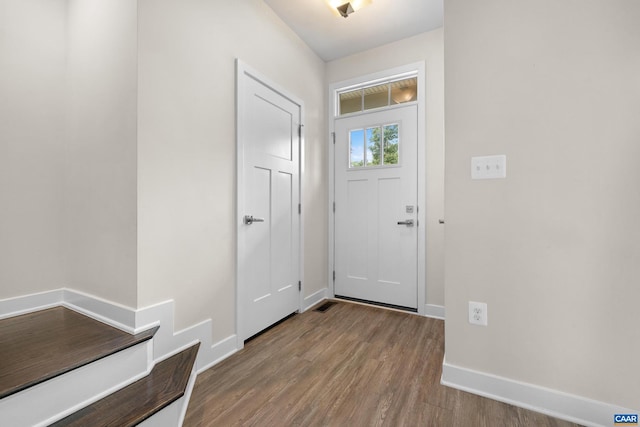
<point>351,102</point>
<point>356,147</point>
<point>373,146</point>
<point>404,91</point>
<point>376,96</point>
<point>391,144</point>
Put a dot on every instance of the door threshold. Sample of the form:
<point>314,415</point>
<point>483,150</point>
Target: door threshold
<point>378,304</point>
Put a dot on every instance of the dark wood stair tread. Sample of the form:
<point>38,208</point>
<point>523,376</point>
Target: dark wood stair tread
<point>133,404</point>
<point>38,346</point>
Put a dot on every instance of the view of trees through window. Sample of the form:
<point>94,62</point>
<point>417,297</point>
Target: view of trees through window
<point>381,142</point>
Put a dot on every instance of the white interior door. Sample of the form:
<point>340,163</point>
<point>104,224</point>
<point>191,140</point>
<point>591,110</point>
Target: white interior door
<point>376,237</point>
<point>269,222</point>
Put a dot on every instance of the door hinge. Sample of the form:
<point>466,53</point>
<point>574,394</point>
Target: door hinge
<point>334,275</point>
<point>333,135</point>
<point>299,285</point>
<point>300,126</point>
<point>299,208</point>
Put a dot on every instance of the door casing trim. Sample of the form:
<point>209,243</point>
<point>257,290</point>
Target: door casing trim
<point>243,69</point>
<point>334,88</point>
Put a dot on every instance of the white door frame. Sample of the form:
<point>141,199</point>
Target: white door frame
<point>244,70</point>
<point>419,69</point>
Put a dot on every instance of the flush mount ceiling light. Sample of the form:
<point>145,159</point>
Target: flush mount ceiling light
<point>345,10</point>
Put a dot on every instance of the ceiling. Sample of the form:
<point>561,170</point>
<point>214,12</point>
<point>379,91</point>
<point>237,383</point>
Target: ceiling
<point>331,36</point>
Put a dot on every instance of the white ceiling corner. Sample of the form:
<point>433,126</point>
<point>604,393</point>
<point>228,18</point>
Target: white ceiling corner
<point>383,21</point>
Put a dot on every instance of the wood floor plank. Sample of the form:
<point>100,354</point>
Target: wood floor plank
<point>38,346</point>
<point>351,365</point>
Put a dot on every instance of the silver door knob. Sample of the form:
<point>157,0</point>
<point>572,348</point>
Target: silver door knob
<point>408,223</point>
<point>250,219</point>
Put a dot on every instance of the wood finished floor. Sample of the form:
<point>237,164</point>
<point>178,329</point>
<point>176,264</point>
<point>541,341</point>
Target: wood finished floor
<point>352,365</point>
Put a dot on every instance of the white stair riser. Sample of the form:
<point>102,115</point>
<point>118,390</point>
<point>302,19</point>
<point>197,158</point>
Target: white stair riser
<point>167,417</point>
<point>52,400</point>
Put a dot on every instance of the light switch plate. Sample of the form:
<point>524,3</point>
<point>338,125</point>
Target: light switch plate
<point>489,167</point>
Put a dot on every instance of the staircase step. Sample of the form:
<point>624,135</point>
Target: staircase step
<point>138,401</point>
<point>39,346</point>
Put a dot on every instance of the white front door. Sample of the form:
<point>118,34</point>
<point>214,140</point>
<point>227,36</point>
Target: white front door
<point>268,217</point>
<point>376,237</point>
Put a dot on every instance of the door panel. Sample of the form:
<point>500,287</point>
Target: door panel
<point>268,248</point>
<point>375,188</point>
<point>390,241</point>
<point>357,229</point>
<point>258,238</point>
<point>282,225</point>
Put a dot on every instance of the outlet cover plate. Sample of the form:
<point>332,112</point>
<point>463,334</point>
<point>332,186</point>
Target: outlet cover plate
<point>478,313</point>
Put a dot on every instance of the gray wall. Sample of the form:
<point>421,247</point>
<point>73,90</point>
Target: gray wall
<point>32,97</point>
<point>101,149</point>
<point>553,248</point>
<point>187,160</point>
<point>118,148</point>
<point>68,147</point>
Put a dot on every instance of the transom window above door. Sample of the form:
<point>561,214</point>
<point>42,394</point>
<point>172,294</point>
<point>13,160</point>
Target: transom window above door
<point>378,96</point>
<point>374,146</point>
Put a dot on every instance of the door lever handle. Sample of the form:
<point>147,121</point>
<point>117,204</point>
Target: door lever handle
<point>250,219</point>
<point>408,223</point>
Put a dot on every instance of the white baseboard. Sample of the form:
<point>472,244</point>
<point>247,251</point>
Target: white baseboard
<point>551,402</point>
<point>167,341</point>
<point>314,299</point>
<point>109,312</point>
<point>435,311</point>
<point>219,351</point>
<point>30,303</point>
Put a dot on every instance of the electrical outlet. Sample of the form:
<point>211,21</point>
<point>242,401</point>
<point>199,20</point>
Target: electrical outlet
<point>478,313</point>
